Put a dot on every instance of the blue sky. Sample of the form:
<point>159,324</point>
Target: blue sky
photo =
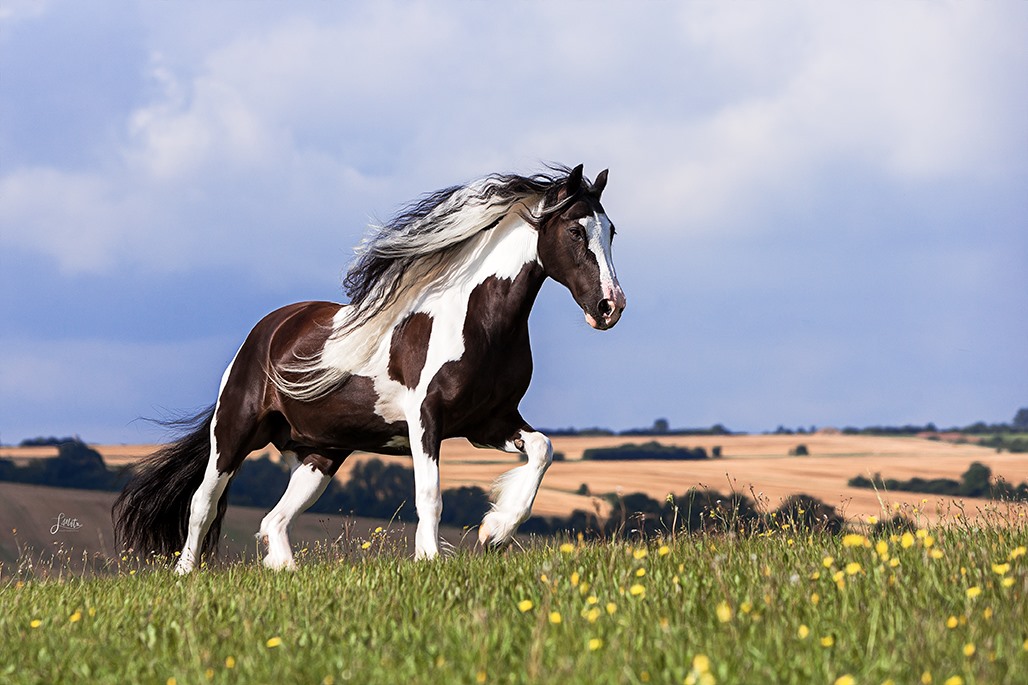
<point>821,207</point>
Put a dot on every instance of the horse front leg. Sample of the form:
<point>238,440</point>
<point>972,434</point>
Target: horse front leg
<point>428,499</point>
<point>514,492</point>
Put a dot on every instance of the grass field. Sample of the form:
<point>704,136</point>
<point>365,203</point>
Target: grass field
<point>942,605</point>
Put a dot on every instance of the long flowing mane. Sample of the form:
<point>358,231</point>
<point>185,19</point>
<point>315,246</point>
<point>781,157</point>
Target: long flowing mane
<point>401,255</point>
<point>433,229</point>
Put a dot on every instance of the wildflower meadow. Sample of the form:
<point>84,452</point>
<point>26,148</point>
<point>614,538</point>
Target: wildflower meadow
<point>946,604</point>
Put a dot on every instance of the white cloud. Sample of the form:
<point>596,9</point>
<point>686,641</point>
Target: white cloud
<point>706,113</point>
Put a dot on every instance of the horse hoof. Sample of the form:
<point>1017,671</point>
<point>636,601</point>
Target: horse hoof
<point>279,564</point>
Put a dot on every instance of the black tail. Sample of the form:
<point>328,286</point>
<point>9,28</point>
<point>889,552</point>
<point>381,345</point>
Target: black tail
<point>152,513</point>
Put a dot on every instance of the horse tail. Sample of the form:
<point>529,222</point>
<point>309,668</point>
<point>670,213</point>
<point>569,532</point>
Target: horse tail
<point>152,513</point>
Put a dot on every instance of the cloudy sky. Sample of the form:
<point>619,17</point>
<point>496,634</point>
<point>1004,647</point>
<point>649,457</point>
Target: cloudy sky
<point>821,207</point>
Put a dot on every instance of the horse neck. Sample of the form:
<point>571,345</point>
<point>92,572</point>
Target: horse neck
<point>497,274</point>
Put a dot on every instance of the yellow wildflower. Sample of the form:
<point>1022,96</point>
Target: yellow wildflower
<point>1007,582</point>
<point>951,622</point>
<point>853,568</point>
<point>595,643</point>
<point>846,679</point>
<point>926,678</point>
<point>664,550</point>
<point>591,599</point>
<point>828,561</point>
<point>574,579</point>
<point>987,614</point>
<point>724,612</point>
<point>612,608</point>
<point>567,548</point>
<point>969,649</point>
<point>803,632</point>
<point>827,641</point>
<point>366,545</point>
<point>973,592</point>
<point>815,598</point>
<point>928,541</point>
<point>230,662</point>
<point>74,618</point>
<point>637,590</point>
<point>273,642</point>
<point>853,540</point>
<point>35,623</point>
<point>954,680</point>
<point>935,554</point>
<point>1018,552</point>
<point>525,605</point>
<point>555,617</point>
<point>481,677</point>
<point>882,547</point>
<point>1001,569</point>
<point>592,615</point>
<point>907,540</point>
<point>640,553</point>
<point>640,572</point>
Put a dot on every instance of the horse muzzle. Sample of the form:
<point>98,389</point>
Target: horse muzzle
<point>607,311</point>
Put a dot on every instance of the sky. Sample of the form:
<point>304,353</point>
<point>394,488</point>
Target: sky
<point>821,207</point>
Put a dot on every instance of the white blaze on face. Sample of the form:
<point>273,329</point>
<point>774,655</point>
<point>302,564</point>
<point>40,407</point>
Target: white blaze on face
<point>599,233</point>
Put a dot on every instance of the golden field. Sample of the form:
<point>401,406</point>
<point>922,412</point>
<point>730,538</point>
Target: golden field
<point>755,465</point>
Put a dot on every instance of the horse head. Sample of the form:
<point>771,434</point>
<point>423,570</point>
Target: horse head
<point>575,238</point>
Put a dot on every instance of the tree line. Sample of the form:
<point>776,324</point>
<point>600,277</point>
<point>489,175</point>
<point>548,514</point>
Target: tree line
<point>975,482</point>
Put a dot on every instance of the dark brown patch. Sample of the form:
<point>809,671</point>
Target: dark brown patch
<point>477,396</point>
<point>245,422</point>
<point>409,348</point>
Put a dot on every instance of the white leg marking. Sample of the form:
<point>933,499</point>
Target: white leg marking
<point>305,487</point>
<point>203,507</point>
<point>515,492</point>
<point>427,498</point>
<point>202,510</point>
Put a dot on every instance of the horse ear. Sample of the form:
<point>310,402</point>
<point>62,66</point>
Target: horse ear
<point>600,184</point>
<point>574,182</point>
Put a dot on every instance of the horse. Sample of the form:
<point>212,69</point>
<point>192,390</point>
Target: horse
<point>434,344</point>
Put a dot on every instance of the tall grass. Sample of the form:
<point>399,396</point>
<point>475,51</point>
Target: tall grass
<point>941,605</point>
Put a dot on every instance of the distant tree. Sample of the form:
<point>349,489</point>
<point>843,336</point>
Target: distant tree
<point>807,513</point>
<point>1021,419</point>
<point>661,426</point>
<point>799,451</point>
<point>976,481</point>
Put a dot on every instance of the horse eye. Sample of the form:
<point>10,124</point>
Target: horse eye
<point>577,232</point>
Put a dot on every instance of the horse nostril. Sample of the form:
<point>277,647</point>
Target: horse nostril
<point>606,307</point>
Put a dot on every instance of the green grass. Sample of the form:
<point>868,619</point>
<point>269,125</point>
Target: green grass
<point>771,609</point>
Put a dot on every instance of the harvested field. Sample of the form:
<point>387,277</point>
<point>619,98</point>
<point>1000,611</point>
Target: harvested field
<point>755,465</point>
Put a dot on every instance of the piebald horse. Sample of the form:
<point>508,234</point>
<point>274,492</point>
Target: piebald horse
<point>434,344</point>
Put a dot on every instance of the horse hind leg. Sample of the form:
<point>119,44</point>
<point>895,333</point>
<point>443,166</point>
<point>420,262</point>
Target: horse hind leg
<point>308,481</point>
<point>203,509</point>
